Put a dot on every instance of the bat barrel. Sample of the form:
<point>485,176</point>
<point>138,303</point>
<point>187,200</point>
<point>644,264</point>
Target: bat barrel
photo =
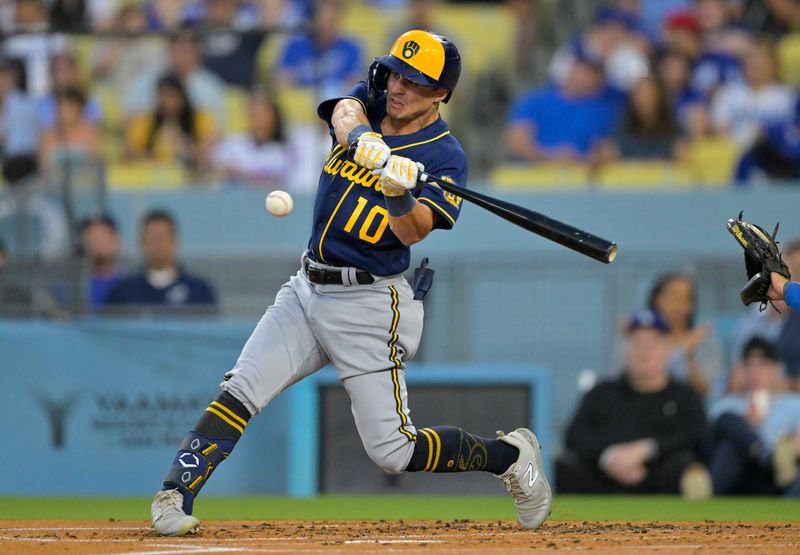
<point>571,237</point>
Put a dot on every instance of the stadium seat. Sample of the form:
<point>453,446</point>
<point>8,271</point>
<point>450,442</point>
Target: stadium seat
<point>236,100</point>
<point>145,175</point>
<point>644,175</point>
<point>712,161</point>
<point>788,51</point>
<point>540,176</point>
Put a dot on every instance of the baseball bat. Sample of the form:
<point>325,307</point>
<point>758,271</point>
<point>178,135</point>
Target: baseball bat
<point>571,237</point>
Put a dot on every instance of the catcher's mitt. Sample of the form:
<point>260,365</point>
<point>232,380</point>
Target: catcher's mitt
<point>761,258</point>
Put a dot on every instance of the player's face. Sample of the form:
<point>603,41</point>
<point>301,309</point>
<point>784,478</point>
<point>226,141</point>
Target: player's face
<point>406,100</point>
<point>648,351</point>
<point>159,245</point>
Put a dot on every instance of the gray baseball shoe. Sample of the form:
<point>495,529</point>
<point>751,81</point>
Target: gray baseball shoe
<point>525,479</point>
<point>168,516</point>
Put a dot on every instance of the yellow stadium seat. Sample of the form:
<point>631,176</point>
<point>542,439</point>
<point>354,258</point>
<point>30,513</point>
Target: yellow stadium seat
<point>712,161</point>
<point>145,175</point>
<point>788,50</point>
<point>298,106</point>
<point>540,176</point>
<point>643,175</point>
<point>484,34</point>
<point>236,100</point>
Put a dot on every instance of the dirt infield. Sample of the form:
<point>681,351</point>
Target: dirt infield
<point>133,537</point>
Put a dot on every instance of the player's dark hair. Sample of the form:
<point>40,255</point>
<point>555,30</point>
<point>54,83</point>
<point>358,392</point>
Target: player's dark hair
<point>99,218</point>
<point>185,117</point>
<point>662,282</point>
<point>160,216</point>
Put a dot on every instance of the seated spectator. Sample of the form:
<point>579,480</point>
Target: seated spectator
<point>175,132</point>
<point>206,90</point>
<point>33,45</point>
<point>19,125</point>
<point>777,324</point>
<point>615,37</point>
<point>696,356</point>
<point>743,109</point>
<point>673,70</point>
<point>120,60</point>
<point>100,246</point>
<point>640,433</point>
<point>65,75</point>
<point>567,121</point>
<point>649,129</point>
<point>324,59</point>
<point>165,14</point>
<point>230,54</point>
<point>756,433</point>
<point>260,157</point>
<point>723,43</point>
<point>162,282</point>
<point>74,139</point>
<point>681,34</point>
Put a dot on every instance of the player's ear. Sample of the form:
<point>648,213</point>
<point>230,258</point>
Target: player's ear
<point>441,94</point>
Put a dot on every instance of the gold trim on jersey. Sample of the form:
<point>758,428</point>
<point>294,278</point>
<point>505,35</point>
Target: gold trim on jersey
<point>439,208</point>
<point>397,363</point>
<point>330,220</point>
<point>436,138</point>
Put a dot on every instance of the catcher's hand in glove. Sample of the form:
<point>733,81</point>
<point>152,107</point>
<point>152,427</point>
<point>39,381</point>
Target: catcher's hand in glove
<point>399,175</point>
<point>369,150</point>
<point>761,258</point>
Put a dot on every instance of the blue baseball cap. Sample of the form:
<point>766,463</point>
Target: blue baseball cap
<point>646,319</point>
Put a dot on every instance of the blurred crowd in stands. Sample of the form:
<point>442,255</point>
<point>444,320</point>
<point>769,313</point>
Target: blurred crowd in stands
<point>672,420</point>
<point>224,91</point>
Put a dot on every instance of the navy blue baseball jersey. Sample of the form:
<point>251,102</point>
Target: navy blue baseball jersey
<point>351,222</point>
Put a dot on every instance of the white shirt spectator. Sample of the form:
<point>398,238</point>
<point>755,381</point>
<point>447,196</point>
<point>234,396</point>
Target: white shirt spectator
<point>246,161</point>
<point>741,112</point>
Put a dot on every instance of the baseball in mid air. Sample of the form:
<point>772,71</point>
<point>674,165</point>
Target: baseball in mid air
<point>279,203</point>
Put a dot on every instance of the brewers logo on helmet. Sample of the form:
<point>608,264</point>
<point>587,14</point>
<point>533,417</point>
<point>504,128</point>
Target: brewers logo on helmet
<point>421,57</point>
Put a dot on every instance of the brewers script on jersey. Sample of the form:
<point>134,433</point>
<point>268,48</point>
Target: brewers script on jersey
<point>349,303</point>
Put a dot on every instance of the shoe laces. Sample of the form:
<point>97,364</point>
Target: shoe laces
<point>171,499</point>
<point>512,485</point>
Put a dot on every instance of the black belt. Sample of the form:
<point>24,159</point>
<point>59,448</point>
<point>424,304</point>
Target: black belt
<point>324,276</point>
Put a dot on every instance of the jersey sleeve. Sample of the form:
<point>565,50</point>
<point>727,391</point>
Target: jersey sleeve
<point>444,204</point>
<point>358,92</point>
<point>792,296</point>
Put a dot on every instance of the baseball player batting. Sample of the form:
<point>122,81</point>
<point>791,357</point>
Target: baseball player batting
<point>349,303</point>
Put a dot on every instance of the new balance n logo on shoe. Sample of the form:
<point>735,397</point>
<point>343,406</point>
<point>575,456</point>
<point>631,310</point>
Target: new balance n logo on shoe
<point>531,475</point>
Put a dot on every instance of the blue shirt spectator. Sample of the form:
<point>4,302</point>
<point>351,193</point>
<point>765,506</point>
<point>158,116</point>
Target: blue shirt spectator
<point>142,289</point>
<point>756,433</point>
<point>100,245</point>
<point>162,282</point>
<point>566,120</point>
<point>325,60</point>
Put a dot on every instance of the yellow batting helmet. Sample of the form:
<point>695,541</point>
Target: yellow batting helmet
<point>421,57</point>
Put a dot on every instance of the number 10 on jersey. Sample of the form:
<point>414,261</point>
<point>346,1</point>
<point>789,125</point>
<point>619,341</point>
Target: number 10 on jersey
<point>369,221</point>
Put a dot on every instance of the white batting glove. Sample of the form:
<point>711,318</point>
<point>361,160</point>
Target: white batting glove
<point>370,151</point>
<point>399,175</point>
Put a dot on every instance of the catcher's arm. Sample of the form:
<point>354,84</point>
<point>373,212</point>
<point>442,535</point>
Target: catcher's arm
<point>783,289</point>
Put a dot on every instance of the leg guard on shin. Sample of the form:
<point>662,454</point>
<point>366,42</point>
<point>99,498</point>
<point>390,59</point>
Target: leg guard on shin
<point>451,449</point>
<point>206,446</point>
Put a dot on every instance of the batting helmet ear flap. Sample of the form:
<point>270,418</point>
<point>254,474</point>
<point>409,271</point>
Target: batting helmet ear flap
<point>377,81</point>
